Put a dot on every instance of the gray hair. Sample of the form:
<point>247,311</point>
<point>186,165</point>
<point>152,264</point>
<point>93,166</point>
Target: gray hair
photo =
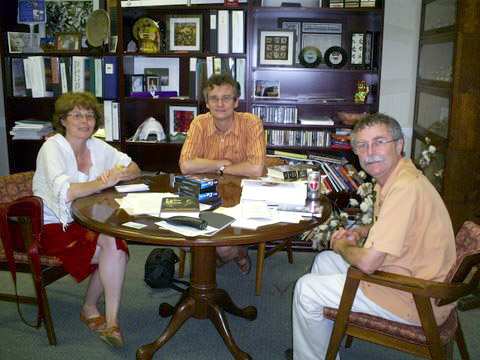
<point>392,125</point>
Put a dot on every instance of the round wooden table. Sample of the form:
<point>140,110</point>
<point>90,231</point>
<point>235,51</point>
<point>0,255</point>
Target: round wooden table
<point>100,212</point>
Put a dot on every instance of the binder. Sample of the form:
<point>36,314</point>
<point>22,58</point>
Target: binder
<point>240,76</point>
<point>192,78</point>
<point>92,83</point>
<point>115,121</point>
<point>37,68</point>
<point>108,119</point>
<point>66,74</point>
<point>110,77</point>
<point>238,31</point>
<point>98,77</point>
<point>213,31</point>
<point>223,31</point>
<point>78,74</point>
<point>209,66</point>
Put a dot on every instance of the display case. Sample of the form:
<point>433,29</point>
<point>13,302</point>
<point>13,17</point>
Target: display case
<point>447,104</point>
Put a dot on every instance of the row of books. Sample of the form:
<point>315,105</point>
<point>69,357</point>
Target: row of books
<point>49,76</point>
<point>340,177</point>
<point>276,114</point>
<point>196,186</point>
<point>31,129</point>
<point>298,137</point>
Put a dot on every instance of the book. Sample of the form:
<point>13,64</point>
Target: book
<point>216,220</point>
<point>198,181</point>
<point>238,31</point>
<point>287,172</point>
<point>223,33</point>
<point>205,196</point>
<point>193,188</point>
<point>213,31</point>
<point>108,119</point>
<point>179,206</point>
<point>110,77</point>
<point>78,73</point>
<point>322,121</point>
<point>288,154</point>
<point>303,209</point>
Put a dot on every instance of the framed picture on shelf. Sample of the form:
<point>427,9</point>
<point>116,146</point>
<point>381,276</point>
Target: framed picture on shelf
<point>68,15</point>
<point>135,83</point>
<point>321,41</point>
<point>184,32</point>
<point>361,49</point>
<point>276,47</point>
<point>152,83</point>
<point>267,88</point>
<point>180,118</point>
<point>19,40</point>
<point>168,69</point>
<point>70,41</point>
<point>293,25</point>
<point>112,44</point>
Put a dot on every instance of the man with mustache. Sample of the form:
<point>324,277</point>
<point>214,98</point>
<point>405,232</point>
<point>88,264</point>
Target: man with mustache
<point>410,224</point>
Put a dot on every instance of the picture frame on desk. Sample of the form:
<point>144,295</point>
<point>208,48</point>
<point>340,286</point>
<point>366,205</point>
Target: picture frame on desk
<point>68,41</point>
<point>180,117</point>
<point>184,32</point>
<point>276,47</point>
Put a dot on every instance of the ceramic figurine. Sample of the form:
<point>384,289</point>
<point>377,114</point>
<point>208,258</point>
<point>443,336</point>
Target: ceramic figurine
<point>147,33</point>
<point>361,91</point>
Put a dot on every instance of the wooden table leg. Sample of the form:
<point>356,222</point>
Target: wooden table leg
<point>202,300</point>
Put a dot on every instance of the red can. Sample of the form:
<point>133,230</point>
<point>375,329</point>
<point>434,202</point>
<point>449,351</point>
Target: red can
<point>313,185</point>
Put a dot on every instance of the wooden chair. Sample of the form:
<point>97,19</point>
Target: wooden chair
<point>262,254</point>
<point>21,223</point>
<point>428,340</point>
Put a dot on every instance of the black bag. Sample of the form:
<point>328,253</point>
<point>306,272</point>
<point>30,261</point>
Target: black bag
<point>160,269</point>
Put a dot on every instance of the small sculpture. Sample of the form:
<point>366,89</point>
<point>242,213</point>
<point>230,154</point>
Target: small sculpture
<point>361,91</point>
<point>149,130</point>
<point>147,33</point>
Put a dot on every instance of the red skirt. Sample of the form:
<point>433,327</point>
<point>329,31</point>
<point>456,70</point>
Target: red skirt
<point>74,247</point>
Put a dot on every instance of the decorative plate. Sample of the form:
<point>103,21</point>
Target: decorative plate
<point>335,57</point>
<point>310,56</point>
<point>98,28</point>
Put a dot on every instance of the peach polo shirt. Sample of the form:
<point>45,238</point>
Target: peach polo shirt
<point>413,227</point>
<point>243,142</point>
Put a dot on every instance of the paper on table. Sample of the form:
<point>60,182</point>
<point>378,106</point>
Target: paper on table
<point>131,188</point>
<point>145,203</point>
<point>187,230</point>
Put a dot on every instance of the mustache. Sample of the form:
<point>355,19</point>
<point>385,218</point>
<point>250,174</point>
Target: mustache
<point>373,158</point>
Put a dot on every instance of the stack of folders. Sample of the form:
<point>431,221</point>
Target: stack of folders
<point>199,187</point>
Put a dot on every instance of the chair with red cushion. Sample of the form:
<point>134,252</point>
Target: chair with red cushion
<point>21,224</point>
<point>428,340</point>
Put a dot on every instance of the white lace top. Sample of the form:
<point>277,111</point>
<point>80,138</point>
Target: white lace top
<point>57,168</point>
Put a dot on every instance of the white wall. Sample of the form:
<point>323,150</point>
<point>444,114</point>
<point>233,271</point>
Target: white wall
<point>399,63</point>
<point>4,169</point>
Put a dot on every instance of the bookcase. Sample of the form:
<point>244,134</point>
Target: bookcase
<point>447,104</point>
<point>305,92</point>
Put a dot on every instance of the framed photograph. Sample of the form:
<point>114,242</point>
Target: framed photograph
<point>184,32</point>
<point>152,83</point>
<point>47,44</point>
<point>19,40</point>
<point>180,118</point>
<point>162,73</point>
<point>71,41</point>
<point>276,47</point>
<point>293,25</point>
<point>267,88</point>
<point>112,44</point>
<point>135,83</point>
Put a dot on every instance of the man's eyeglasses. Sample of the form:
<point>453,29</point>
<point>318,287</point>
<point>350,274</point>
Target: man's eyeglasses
<point>79,116</point>
<point>375,144</point>
<point>225,98</point>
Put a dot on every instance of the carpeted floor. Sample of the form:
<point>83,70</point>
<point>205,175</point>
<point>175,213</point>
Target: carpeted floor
<point>265,338</point>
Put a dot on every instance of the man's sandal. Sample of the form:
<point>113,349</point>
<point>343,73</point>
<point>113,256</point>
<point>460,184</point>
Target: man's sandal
<point>113,336</point>
<point>96,324</point>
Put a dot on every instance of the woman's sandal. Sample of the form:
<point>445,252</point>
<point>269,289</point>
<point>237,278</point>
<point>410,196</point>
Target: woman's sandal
<point>96,324</point>
<point>113,336</point>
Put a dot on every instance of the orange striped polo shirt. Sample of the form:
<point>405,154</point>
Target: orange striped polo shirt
<point>243,142</point>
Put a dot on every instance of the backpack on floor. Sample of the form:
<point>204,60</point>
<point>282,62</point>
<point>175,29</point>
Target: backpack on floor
<point>160,270</point>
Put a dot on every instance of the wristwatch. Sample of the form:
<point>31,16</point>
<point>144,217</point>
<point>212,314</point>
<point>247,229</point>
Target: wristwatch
<point>220,170</point>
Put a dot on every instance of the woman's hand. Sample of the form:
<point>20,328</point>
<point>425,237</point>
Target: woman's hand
<point>113,176</point>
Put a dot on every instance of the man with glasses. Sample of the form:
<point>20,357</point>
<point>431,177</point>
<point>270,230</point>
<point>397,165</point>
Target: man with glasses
<point>224,141</point>
<point>410,224</point>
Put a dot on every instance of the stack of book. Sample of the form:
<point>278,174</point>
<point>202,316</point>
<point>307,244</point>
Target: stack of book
<point>197,186</point>
<point>288,172</point>
<point>31,129</point>
<point>341,139</point>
